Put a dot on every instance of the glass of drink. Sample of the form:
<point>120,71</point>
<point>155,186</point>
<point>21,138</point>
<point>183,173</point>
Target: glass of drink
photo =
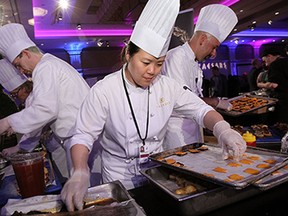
<point>29,172</point>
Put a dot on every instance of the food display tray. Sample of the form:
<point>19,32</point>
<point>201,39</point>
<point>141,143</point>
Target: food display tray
<point>206,164</point>
<point>107,199</point>
<point>208,197</point>
<point>270,102</point>
<point>276,178</point>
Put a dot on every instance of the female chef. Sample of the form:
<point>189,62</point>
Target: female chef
<point>128,111</point>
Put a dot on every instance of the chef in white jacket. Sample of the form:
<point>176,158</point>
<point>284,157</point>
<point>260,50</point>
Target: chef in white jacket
<point>128,110</point>
<point>58,89</point>
<point>15,82</point>
<point>214,24</point>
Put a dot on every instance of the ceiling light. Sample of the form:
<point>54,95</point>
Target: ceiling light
<point>99,43</point>
<point>63,4</point>
<point>79,27</point>
<point>270,22</point>
<point>31,22</point>
<point>38,11</point>
<point>107,44</point>
<point>277,13</point>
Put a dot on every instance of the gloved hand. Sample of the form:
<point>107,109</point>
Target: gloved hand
<point>4,125</point>
<point>229,140</point>
<point>224,104</point>
<point>75,188</point>
<point>8,151</point>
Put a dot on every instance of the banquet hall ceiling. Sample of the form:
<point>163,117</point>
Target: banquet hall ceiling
<point>122,14</point>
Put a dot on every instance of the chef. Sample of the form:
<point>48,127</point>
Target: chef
<point>58,89</point>
<point>10,82</point>
<point>214,24</point>
<point>128,110</point>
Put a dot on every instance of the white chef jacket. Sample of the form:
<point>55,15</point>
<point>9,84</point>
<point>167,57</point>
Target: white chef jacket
<point>180,65</point>
<point>58,92</point>
<point>105,114</point>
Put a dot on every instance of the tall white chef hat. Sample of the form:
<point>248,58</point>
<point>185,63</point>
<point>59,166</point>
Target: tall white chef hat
<point>14,39</point>
<point>10,77</point>
<point>217,20</point>
<point>153,30</point>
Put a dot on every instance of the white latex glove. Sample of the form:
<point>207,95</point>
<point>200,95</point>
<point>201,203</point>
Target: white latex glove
<point>75,189</point>
<point>8,151</point>
<point>4,125</point>
<point>229,140</point>
<point>224,104</point>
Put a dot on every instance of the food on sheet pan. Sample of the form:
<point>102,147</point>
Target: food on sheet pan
<point>277,172</point>
<point>193,150</point>
<point>246,161</point>
<point>235,177</point>
<point>263,166</point>
<point>252,171</point>
<point>178,164</point>
<point>270,161</point>
<point>220,169</point>
<point>254,157</point>
<point>245,104</point>
<point>180,153</point>
<point>209,174</point>
<point>233,164</point>
<point>186,190</point>
<point>170,161</point>
<point>203,148</point>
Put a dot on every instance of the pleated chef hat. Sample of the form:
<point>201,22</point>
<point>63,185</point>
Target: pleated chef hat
<point>14,39</point>
<point>217,20</point>
<point>10,78</point>
<point>154,28</point>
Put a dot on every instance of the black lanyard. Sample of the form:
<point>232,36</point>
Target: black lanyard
<point>132,112</point>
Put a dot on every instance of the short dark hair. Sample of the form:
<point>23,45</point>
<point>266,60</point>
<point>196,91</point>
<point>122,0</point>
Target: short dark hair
<point>272,51</point>
<point>130,48</point>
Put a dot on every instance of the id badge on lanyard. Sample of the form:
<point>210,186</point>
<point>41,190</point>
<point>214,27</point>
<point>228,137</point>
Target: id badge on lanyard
<point>143,154</point>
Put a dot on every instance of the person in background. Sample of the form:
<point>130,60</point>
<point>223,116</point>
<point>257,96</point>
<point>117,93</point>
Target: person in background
<point>218,83</point>
<point>22,92</point>
<point>214,24</point>
<point>253,74</point>
<point>130,119</point>
<point>277,81</point>
<point>9,82</point>
<point>54,100</point>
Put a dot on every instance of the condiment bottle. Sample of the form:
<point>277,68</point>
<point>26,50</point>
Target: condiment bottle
<point>249,138</point>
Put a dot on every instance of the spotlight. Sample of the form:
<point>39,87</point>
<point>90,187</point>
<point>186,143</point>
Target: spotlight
<point>99,43</point>
<point>252,27</point>
<point>270,22</point>
<point>107,44</point>
<point>79,26</point>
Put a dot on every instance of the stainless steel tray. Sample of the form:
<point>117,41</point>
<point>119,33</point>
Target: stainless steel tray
<point>202,164</point>
<point>276,178</point>
<point>122,203</point>
<point>270,102</point>
<point>208,197</point>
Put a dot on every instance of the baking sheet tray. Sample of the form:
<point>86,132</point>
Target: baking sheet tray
<point>270,101</point>
<point>164,178</point>
<point>209,196</point>
<point>122,205</point>
<point>276,178</point>
<point>203,164</point>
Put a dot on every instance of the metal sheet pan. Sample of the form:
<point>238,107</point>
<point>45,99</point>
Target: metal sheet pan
<point>208,197</point>
<point>270,102</point>
<point>276,178</point>
<point>202,164</point>
<point>123,204</point>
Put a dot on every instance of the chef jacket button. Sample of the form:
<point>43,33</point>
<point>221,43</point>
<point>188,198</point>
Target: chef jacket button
<point>152,114</point>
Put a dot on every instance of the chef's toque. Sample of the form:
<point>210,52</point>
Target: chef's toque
<point>13,39</point>
<point>10,77</point>
<point>154,28</point>
<point>217,20</point>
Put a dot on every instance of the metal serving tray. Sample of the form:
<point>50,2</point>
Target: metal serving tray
<point>208,196</point>
<point>276,178</point>
<point>202,164</point>
<point>122,203</point>
<point>270,102</point>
